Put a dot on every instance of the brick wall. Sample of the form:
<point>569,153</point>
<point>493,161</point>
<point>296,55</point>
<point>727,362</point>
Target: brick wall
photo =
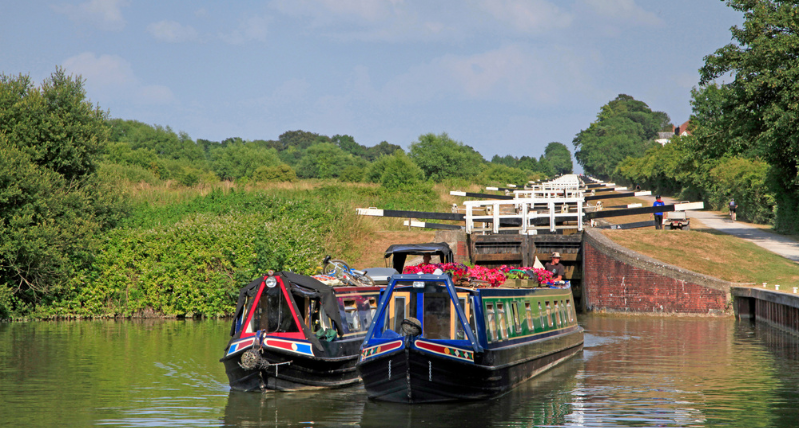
<point>618,279</point>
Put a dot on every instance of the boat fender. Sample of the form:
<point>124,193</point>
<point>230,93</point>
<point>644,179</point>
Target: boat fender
<point>251,359</point>
<point>411,327</point>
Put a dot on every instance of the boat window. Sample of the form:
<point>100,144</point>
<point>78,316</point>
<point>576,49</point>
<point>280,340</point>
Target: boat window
<point>470,315</point>
<point>528,311</point>
<point>503,329</point>
<point>273,313</point>
<point>366,314</point>
<point>549,315</point>
<point>320,319</point>
<point>456,326</point>
<point>401,306</point>
<point>515,310</point>
<point>569,310</point>
<point>563,312</point>
<point>351,314</point>
<point>436,324</point>
<point>373,306</point>
<point>492,328</point>
<point>541,315</point>
<point>557,312</point>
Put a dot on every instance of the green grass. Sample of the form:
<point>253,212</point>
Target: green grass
<point>712,253</point>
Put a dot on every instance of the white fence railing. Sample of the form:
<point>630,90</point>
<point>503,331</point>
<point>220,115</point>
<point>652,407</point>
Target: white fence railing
<point>487,216</point>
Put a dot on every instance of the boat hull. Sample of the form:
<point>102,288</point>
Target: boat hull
<point>292,372</point>
<point>417,376</point>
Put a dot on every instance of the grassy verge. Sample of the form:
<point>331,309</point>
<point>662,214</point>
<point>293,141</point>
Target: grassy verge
<point>187,251</point>
<point>711,253</point>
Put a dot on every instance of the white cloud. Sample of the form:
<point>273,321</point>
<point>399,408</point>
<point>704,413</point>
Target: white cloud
<point>623,11</point>
<point>253,28</point>
<point>172,32</point>
<point>103,14</point>
<point>533,16</point>
<point>110,78</point>
<point>513,73</point>
<point>368,10</point>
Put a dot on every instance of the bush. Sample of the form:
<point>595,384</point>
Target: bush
<point>400,171</point>
<point>352,174</point>
<point>502,175</point>
<point>441,157</point>
<point>279,173</point>
<point>745,180</point>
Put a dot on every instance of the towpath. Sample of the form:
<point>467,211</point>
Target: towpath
<point>779,244</point>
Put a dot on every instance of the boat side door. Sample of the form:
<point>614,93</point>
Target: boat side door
<point>456,329</point>
<point>399,308</point>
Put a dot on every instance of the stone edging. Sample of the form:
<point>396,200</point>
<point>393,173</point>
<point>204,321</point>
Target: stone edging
<point>786,299</point>
<point>606,246</point>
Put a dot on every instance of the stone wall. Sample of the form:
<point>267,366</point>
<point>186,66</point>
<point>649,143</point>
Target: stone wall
<point>618,279</point>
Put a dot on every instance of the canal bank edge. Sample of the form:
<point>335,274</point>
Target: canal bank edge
<point>617,279</point>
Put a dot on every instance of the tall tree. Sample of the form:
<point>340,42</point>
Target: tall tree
<point>757,114</point>
<point>52,203</point>
<point>559,157</point>
<point>441,157</point>
<point>624,127</point>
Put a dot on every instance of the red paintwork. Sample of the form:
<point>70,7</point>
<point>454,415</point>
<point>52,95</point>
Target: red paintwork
<point>255,303</point>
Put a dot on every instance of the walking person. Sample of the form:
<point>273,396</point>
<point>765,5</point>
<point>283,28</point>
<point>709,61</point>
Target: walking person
<point>658,216</point>
<point>733,209</point>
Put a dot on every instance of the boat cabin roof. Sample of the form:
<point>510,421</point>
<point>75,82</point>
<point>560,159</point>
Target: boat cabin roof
<point>400,252</point>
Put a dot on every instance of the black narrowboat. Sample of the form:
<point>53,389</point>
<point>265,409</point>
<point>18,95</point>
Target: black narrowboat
<point>433,342</point>
<point>293,332</point>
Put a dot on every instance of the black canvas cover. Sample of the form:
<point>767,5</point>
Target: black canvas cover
<point>248,290</point>
<point>401,252</point>
<point>326,295</point>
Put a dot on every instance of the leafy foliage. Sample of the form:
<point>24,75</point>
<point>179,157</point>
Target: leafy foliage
<point>559,157</point>
<point>399,171</point>
<point>281,173</point>
<point>52,202</point>
<point>757,114</point>
<point>498,174</point>
<point>326,160</point>
<point>441,157</point>
<point>624,128</point>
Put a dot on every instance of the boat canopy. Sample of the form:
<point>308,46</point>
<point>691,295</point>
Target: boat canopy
<point>295,285</point>
<point>401,252</point>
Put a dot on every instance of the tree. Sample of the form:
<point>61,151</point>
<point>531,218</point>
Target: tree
<point>441,157</point>
<point>559,157</point>
<point>399,171</point>
<point>756,115</point>
<point>624,127</point>
<point>326,160</point>
<point>52,202</point>
<point>239,160</point>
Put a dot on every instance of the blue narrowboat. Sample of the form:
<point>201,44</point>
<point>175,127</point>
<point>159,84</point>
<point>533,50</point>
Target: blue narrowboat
<point>432,342</point>
<point>293,332</point>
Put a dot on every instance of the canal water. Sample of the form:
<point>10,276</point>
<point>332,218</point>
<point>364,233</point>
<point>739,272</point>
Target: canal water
<point>634,371</point>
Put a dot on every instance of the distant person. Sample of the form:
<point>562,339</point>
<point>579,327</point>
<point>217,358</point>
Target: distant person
<point>733,209</point>
<point>658,215</point>
<point>426,259</point>
<point>556,268</point>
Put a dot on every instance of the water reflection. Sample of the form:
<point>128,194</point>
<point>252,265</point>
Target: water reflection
<point>633,371</point>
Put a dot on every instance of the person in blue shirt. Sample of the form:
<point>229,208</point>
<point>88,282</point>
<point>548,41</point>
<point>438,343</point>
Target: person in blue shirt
<point>658,216</point>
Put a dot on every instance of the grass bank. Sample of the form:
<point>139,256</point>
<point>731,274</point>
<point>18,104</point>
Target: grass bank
<point>187,251</point>
<point>711,253</point>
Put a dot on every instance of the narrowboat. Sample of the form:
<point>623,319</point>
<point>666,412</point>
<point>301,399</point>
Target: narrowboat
<point>433,342</point>
<point>293,332</point>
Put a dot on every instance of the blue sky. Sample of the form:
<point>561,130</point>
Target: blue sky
<point>503,76</point>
